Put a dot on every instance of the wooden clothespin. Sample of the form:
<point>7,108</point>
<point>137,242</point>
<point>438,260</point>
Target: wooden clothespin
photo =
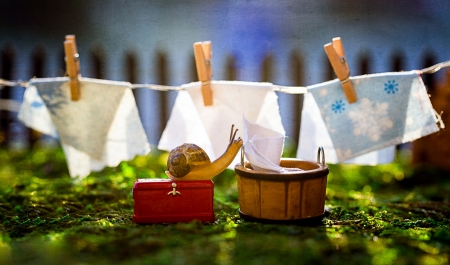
<point>72,66</point>
<point>336,55</point>
<point>203,54</point>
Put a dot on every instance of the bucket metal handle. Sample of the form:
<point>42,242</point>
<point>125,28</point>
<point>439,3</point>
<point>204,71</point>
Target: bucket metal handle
<point>242,156</point>
<point>320,152</point>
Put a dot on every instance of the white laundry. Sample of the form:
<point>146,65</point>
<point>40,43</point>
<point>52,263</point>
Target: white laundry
<point>264,147</point>
<point>209,126</point>
<point>34,114</point>
<point>101,129</point>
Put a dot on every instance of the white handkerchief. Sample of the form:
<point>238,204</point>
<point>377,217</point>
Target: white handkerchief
<point>209,126</point>
<point>101,129</point>
<point>263,147</point>
<point>34,114</point>
<point>314,133</point>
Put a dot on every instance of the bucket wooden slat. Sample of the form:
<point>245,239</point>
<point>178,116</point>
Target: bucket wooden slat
<point>273,200</point>
<point>312,200</point>
<point>294,200</point>
<point>283,196</point>
<point>249,191</point>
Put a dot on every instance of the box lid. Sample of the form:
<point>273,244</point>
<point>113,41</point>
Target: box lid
<point>145,184</point>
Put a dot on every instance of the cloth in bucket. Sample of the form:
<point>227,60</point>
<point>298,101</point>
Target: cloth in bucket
<point>263,148</point>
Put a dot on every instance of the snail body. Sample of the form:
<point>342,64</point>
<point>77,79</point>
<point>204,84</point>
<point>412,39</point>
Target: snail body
<point>190,162</point>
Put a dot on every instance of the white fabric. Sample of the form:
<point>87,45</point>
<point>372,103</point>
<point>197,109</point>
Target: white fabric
<point>101,129</point>
<point>263,147</point>
<point>314,133</point>
<point>34,114</point>
<point>209,126</point>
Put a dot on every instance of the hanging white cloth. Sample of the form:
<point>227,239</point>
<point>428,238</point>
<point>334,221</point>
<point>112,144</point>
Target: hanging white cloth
<point>101,129</point>
<point>209,126</point>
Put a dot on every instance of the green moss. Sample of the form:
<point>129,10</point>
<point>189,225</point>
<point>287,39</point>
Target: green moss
<point>377,216</point>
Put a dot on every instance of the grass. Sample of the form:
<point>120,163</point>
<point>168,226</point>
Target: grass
<point>388,214</point>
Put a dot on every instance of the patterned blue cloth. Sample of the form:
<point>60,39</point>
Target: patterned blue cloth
<point>392,108</point>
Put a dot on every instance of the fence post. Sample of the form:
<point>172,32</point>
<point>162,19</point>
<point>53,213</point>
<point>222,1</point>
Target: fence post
<point>7,61</point>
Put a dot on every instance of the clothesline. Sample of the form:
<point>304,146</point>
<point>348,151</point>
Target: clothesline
<point>283,89</point>
<point>433,69</point>
<point>393,108</point>
<point>4,82</point>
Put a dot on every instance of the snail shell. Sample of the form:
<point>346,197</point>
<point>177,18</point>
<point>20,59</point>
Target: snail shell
<point>183,157</point>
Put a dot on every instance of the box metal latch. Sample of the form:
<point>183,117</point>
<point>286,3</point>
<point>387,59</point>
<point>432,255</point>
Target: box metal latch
<point>174,191</point>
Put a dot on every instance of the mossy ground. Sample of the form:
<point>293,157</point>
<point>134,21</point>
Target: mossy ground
<point>389,214</point>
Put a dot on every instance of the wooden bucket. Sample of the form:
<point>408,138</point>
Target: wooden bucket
<point>292,197</point>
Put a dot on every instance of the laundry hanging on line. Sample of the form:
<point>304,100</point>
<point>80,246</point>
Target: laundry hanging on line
<point>392,108</point>
<point>100,130</point>
<point>314,133</point>
<point>209,126</point>
<point>210,146</point>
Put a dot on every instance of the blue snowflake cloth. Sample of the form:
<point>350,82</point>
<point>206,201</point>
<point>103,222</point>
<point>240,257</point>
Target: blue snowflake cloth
<point>392,108</point>
<point>314,133</point>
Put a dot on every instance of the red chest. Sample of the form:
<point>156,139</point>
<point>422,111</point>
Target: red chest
<point>167,201</point>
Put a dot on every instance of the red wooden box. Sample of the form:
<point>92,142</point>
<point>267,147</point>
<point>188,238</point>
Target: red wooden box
<point>167,201</point>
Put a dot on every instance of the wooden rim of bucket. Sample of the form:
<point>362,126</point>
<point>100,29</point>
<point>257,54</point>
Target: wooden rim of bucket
<point>311,170</point>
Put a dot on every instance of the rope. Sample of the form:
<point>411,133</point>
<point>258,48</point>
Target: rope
<point>283,89</point>
<point>433,69</point>
<point>4,82</point>
<point>156,87</point>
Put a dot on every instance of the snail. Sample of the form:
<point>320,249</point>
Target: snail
<point>190,162</point>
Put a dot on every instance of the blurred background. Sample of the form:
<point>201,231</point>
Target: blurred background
<point>144,41</point>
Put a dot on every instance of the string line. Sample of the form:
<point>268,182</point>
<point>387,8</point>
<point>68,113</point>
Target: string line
<point>283,89</point>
